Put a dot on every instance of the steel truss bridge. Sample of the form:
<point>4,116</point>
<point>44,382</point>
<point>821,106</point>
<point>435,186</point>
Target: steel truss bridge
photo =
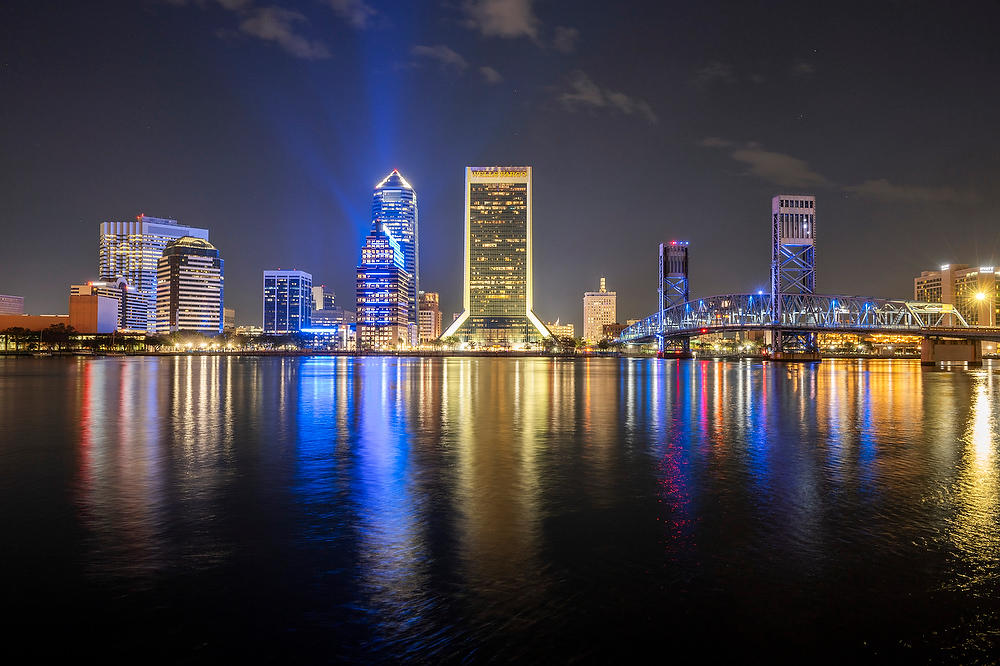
<point>804,314</point>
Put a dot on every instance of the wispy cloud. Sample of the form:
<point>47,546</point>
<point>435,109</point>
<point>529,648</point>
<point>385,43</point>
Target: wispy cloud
<point>584,93</point>
<point>882,190</point>
<point>441,54</point>
<point>490,75</point>
<point>565,39</point>
<point>357,12</point>
<point>502,18</point>
<point>274,24</point>
<point>803,69</point>
<point>713,73</point>
<point>788,171</point>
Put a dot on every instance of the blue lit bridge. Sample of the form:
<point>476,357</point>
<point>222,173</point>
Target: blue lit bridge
<point>792,315</point>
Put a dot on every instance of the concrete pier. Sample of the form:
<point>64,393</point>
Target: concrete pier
<point>937,350</point>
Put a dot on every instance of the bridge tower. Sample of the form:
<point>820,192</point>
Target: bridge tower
<point>672,283</point>
<point>793,262</point>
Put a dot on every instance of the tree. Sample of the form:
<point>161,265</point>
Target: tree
<point>57,334</point>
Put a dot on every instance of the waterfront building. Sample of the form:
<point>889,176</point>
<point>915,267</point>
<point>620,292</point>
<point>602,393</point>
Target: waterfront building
<point>189,287</point>
<point>228,319</point>
<point>972,290</point>
<point>131,305</point>
<point>612,331</point>
<point>287,303</point>
<point>131,249</point>
<point>497,293</point>
<point>394,204</point>
<point>94,313</point>
<point>340,337</point>
<point>11,305</point>
<point>430,316</point>
<point>383,289</point>
<point>561,330</point>
<point>323,298</point>
<point>599,308</point>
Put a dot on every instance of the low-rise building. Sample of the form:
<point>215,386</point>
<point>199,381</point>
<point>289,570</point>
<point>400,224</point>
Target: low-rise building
<point>973,291</point>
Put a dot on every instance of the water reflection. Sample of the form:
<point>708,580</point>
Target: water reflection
<point>440,506</point>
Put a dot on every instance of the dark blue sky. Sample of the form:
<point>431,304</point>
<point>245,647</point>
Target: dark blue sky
<point>269,123</point>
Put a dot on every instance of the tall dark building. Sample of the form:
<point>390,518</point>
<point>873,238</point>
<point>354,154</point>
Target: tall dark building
<point>287,301</point>
<point>394,204</point>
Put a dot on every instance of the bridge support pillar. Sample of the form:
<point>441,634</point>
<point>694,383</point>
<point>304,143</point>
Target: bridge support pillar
<point>936,350</point>
<point>677,351</point>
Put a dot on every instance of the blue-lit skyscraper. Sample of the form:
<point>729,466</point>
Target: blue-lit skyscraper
<point>394,204</point>
<point>383,293</point>
<point>287,301</point>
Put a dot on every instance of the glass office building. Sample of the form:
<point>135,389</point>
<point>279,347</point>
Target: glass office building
<point>383,290</point>
<point>287,301</point>
<point>498,275</point>
<point>394,204</point>
<point>131,249</point>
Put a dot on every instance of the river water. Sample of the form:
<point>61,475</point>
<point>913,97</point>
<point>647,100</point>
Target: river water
<point>305,510</point>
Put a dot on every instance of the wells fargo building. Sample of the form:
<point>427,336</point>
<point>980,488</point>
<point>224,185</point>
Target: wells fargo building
<point>498,280</point>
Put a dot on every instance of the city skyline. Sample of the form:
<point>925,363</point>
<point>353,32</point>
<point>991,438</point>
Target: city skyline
<point>900,150</point>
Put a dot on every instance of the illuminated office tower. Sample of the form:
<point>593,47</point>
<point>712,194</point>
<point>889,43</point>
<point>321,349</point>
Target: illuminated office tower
<point>11,305</point>
<point>131,307</point>
<point>394,204</point>
<point>498,281</point>
<point>383,289</point>
<point>973,291</point>
<point>131,249</point>
<point>287,301</point>
<point>600,308</point>
<point>430,316</point>
<point>189,287</point>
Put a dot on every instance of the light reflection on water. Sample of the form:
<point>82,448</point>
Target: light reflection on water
<point>507,508</point>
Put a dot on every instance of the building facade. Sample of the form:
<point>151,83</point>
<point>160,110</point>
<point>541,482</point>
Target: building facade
<point>189,287</point>
<point>394,204</point>
<point>430,316</point>
<point>94,313</point>
<point>383,293</point>
<point>599,309</point>
<point>287,303</point>
<point>498,294</point>
<point>131,305</point>
<point>973,291</point>
<point>11,305</point>
<point>131,249</point>
<point>561,330</point>
<point>323,298</point>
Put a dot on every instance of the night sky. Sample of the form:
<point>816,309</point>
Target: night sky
<point>269,124</point>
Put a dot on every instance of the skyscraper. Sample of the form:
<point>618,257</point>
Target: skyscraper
<point>11,305</point>
<point>287,301</point>
<point>599,309</point>
<point>323,298</point>
<point>972,290</point>
<point>382,293</point>
<point>498,278</point>
<point>430,316</point>
<point>189,287</point>
<point>394,204</point>
<point>131,249</point>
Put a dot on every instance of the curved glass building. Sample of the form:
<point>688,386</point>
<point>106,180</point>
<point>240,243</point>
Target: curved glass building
<point>189,287</point>
<point>394,207</point>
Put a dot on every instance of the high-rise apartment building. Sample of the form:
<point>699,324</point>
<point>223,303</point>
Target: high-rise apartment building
<point>394,204</point>
<point>11,305</point>
<point>498,276</point>
<point>599,309</point>
<point>131,306</point>
<point>288,299</point>
<point>973,291</point>
<point>189,287</point>
<point>131,249</point>
<point>383,290</point>
<point>430,316</point>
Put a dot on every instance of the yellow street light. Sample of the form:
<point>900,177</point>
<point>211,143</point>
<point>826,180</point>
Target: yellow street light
<point>981,296</point>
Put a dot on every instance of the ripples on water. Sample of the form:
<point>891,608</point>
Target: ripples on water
<point>212,508</point>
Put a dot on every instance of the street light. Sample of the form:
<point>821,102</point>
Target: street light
<point>980,296</point>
